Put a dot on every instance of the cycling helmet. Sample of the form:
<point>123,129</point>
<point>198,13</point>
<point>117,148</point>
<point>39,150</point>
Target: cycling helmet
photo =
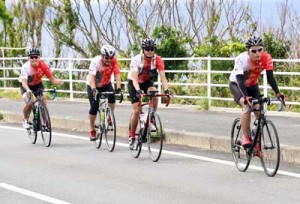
<point>108,50</point>
<point>33,51</point>
<point>253,41</point>
<point>148,42</point>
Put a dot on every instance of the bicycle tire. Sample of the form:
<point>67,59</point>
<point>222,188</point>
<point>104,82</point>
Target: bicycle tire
<point>110,130</point>
<point>240,156</point>
<point>31,131</point>
<point>270,148</point>
<point>137,147</point>
<point>99,132</point>
<point>45,125</point>
<point>155,137</point>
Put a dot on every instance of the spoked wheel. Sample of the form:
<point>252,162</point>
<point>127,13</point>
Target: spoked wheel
<point>155,137</point>
<point>137,146</point>
<point>31,131</point>
<point>110,130</point>
<point>270,148</point>
<point>45,126</point>
<point>240,156</point>
<point>99,132</point>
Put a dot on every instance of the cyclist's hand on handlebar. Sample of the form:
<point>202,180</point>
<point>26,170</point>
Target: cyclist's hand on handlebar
<point>248,100</point>
<point>168,92</point>
<point>28,93</point>
<point>281,98</point>
<point>139,93</point>
<point>119,91</point>
<point>95,92</point>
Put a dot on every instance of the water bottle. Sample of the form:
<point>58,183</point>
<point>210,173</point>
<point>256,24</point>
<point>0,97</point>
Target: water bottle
<point>143,117</point>
<point>254,129</point>
<point>102,115</point>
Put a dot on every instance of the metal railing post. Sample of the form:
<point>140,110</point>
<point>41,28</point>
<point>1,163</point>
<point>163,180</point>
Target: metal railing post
<point>265,83</point>
<point>209,81</point>
<point>71,80</point>
<point>4,71</point>
<point>159,88</point>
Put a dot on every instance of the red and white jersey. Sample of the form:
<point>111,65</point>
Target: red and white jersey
<point>143,66</point>
<point>34,74</point>
<point>251,69</point>
<point>102,72</point>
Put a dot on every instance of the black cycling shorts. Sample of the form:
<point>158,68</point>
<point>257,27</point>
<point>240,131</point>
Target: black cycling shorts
<point>33,88</point>
<point>237,94</point>
<point>94,104</point>
<point>143,86</point>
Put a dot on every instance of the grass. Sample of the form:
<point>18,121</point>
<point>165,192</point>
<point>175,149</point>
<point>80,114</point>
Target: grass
<point>10,94</point>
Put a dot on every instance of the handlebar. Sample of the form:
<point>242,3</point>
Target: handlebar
<point>40,92</point>
<point>152,94</point>
<point>105,93</point>
<point>266,100</point>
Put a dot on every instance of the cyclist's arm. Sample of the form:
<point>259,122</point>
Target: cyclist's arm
<point>163,79</point>
<point>25,85</point>
<point>135,77</point>
<point>55,81</point>
<point>272,81</point>
<point>241,84</point>
<point>92,81</point>
<point>118,80</point>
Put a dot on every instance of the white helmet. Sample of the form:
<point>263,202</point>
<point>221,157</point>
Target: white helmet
<point>108,50</point>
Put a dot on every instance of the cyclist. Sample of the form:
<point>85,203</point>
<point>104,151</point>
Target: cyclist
<point>143,68</point>
<point>30,80</point>
<point>99,79</point>
<point>244,82</point>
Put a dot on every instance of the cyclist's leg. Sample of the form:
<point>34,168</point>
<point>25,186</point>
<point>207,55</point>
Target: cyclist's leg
<point>111,98</point>
<point>254,92</point>
<point>149,86</point>
<point>136,109</point>
<point>27,107</point>
<point>245,117</point>
<point>94,105</point>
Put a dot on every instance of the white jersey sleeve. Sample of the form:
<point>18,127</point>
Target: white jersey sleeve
<point>94,66</point>
<point>25,71</point>
<point>134,64</point>
<point>240,64</point>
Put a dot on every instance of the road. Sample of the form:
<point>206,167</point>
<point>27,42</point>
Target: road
<point>72,170</point>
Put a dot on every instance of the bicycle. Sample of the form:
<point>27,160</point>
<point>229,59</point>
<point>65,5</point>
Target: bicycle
<point>264,133</point>
<point>153,137</point>
<point>107,122</point>
<point>39,120</point>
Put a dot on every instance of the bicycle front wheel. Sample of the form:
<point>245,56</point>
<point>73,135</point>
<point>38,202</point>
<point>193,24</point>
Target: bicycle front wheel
<point>31,131</point>
<point>99,131</point>
<point>110,130</point>
<point>240,156</point>
<point>270,148</point>
<point>155,136</point>
<point>45,125</point>
<point>137,146</point>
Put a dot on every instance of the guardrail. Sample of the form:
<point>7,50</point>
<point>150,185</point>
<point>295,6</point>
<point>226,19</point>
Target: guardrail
<point>198,65</point>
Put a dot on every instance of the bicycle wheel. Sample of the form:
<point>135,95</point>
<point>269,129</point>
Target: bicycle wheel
<point>45,125</point>
<point>270,148</point>
<point>240,156</point>
<point>110,130</point>
<point>99,132</point>
<point>31,131</point>
<point>137,147</point>
<point>155,137</point>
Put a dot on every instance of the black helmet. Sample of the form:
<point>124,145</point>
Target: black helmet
<point>33,51</point>
<point>148,42</point>
<point>253,41</point>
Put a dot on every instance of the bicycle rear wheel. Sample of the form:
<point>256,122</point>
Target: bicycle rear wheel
<point>240,156</point>
<point>270,148</point>
<point>110,130</point>
<point>99,132</point>
<point>155,137</point>
<point>31,131</point>
<point>45,125</point>
<point>137,147</point>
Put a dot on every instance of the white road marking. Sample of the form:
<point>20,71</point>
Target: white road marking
<point>219,161</point>
<point>32,194</point>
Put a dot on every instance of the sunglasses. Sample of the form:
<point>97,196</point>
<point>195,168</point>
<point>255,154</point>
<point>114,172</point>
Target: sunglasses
<point>107,57</point>
<point>256,51</point>
<point>149,49</point>
<point>34,57</point>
